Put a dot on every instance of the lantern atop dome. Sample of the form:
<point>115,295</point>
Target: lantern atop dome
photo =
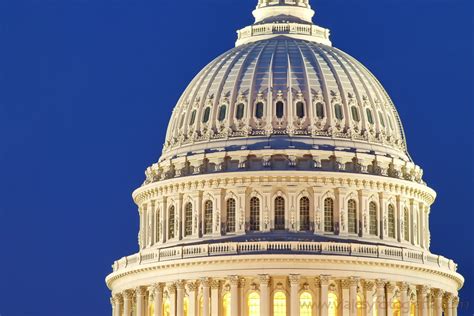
<point>291,18</point>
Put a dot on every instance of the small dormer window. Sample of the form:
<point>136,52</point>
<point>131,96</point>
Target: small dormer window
<point>319,110</point>
<point>279,110</point>
<point>181,122</point>
<point>207,114</point>
<point>239,112</point>
<point>355,114</point>
<point>300,110</point>
<point>370,118</point>
<point>222,113</point>
<point>338,110</point>
<point>193,118</point>
<point>382,122</point>
<point>259,110</point>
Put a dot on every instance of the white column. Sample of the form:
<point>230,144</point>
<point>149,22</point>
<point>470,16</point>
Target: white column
<point>438,302</point>
<point>179,218</point>
<point>180,298</point>
<point>215,295</point>
<point>205,297</point>
<point>217,212</point>
<point>353,296</point>
<point>448,311</point>
<point>172,296</point>
<point>318,210</point>
<point>140,297</point>
<point>404,302</point>
<point>264,294</point>
<point>324,279</point>
<point>381,308</point>
<point>382,225</point>
<point>341,212</point>
<point>345,284</point>
<point>158,299</point>
<point>127,302</point>
<point>363,212</point>
<point>294,297</point>
<point>191,287</point>
<point>421,293</point>
<point>234,295</point>
<point>367,306</point>
<point>455,306</point>
<point>113,303</point>
<point>389,296</point>
<point>118,299</point>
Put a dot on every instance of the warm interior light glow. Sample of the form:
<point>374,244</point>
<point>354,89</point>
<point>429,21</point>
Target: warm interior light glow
<point>332,304</point>
<point>167,307</point>
<point>226,304</point>
<point>254,304</point>
<point>306,304</point>
<point>279,304</point>
<point>396,307</point>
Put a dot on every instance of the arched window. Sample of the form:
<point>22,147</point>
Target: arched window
<point>230,215</point>
<point>188,219</point>
<point>208,217</point>
<point>304,213</point>
<point>171,223</point>
<point>151,308</point>
<point>259,110</point>
<point>279,213</point>
<point>391,221</point>
<point>370,118</point>
<point>222,112</point>
<point>239,111</point>
<point>185,306</point>
<point>279,109</point>
<point>406,219</point>
<point>373,220</point>
<point>254,214</point>
<point>396,307</point>
<point>207,114</point>
<point>193,118</point>
<point>300,109</point>
<point>355,114</point>
<point>279,304</point>
<point>181,122</point>
<point>320,110</point>
<point>382,122</point>
<point>226,304</point>
<point>352,216</point>
<point>328,215</point>
<point>253,303</point>
<point>306,304</point>
<point>332,304</point>
<point>338,111</point>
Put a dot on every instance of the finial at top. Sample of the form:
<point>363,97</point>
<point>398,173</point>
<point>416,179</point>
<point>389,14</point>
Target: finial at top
<point>287,9</point>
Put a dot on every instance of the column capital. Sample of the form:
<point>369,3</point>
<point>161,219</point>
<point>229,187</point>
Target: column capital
<point>455,301</point>
<point>294,279</point>
<point>157,288</point>
<point>353,281</point>
<point>323,280</point>
<point>422,290</point>
<point>234,280</point>
<point>127,295</point>
<point>140,291</point>
<point>118,298</point>
<point>191,286</point>
<point>180,284</point>
<point>438,293</point>
<point>264,279</point>
<point>345,284</point>
<point>403,286</point>
<point>390,286</point>
<point>380,284</point>
<point>368,285</point>
<point>215,284</point>
<point>205,282</point>
<point>171,288</point>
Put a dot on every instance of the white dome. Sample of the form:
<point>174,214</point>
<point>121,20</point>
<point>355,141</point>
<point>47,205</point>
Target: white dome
<point>284,87</point>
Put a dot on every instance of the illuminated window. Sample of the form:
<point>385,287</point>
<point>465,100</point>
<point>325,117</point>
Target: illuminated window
<point>396,307</point>
<point>239,112</point>
<point>279,213</point>
<point>167,307</point>
<point>188,219</point>
<point>279,304</point>
<point>304,213</point>
<point>279,109</point>
<point>306,304</point>
<point>359,305</point>
<point>370,118</point>
<point>300,110</point>
<point>253,304</point>
<point>185,306</point>
<point>230,215</point>
<point>355,114</point>
<point>171,223</point>
<point>338,110</point>
<point>332,304</point>
<point>226,304</point>
<point>193,118</point>
<point>352,216</point>
<point>406,218</point>
<point>373,222</point>
<point>208,217</point>
<point>391,221</point>
<point>207,115</point>
<point>151,308</point>
<point>254,214</point>
<point>320,110</point>
<point>222,112</point>
<point>259,110</point>
<point>412,309</point>
<point>328,215</point>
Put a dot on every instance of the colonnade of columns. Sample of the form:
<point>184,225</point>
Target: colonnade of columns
<point>255,296</point>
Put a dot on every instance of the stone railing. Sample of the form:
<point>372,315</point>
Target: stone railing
<point>283,247</point>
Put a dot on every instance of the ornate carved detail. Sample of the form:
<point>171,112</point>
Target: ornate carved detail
<point>215,284</point>
<point>294,279</point>
<point>368,286</point>
<point>264,279</point>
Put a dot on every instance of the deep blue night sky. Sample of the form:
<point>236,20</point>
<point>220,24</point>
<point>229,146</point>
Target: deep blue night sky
<point>86,91</point>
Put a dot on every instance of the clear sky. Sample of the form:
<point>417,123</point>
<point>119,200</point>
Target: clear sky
<point>86,91</point>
